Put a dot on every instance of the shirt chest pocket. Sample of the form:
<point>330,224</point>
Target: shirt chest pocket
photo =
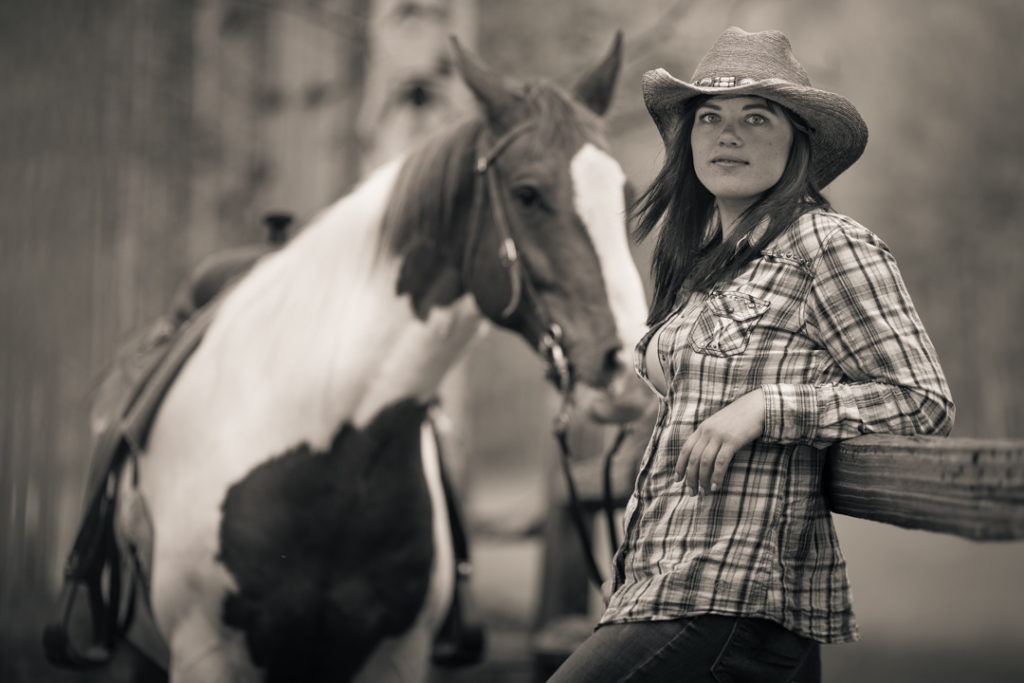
<point>723,327</point>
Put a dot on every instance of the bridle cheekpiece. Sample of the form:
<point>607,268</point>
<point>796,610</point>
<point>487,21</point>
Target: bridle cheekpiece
<point>550,336</point>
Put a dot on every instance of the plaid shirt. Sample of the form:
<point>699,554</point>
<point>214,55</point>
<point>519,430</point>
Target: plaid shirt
<point>823,324</point>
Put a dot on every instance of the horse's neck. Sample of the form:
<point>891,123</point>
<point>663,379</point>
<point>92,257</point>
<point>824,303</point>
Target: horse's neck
<point>321,328</point>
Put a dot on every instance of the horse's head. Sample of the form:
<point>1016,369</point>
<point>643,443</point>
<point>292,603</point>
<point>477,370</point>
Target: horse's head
<point>548,251</point>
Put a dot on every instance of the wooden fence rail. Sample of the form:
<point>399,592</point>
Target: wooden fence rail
<point>968,487</point>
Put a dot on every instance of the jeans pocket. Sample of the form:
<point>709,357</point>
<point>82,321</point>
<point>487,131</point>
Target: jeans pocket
<point>760,651</point>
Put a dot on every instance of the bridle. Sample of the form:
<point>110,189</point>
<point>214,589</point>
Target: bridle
<point>547,331</point>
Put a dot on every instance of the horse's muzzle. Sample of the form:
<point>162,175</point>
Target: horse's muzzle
<point>624,399</point>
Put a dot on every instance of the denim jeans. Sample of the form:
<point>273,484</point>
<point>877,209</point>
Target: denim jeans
<point>707,648</point>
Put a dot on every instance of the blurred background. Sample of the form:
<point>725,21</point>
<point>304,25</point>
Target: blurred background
<point>139,136</point>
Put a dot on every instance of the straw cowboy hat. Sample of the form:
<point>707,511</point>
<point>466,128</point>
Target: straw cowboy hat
<point>762,64</point>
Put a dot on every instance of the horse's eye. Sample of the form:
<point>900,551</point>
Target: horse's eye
<point>526,195</point>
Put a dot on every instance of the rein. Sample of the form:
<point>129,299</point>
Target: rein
<point>549,344</point>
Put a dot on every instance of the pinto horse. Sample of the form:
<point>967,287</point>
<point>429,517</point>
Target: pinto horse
<point>300,528</point>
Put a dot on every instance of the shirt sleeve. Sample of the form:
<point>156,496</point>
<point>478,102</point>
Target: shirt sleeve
<point>859,309</point>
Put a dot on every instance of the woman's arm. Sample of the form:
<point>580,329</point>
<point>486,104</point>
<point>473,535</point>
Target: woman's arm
<point>860,310</point>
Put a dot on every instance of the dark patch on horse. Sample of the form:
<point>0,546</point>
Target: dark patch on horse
<point>331,550</point>
<point>426,218</point>
<point>429,277</point>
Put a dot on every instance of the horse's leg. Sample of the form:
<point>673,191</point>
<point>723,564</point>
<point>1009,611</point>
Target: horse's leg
<point>204,652</point>
<point>187,593</point>
<point>407,658</point>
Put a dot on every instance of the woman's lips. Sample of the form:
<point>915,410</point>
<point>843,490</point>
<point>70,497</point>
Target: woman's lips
<point>728,161</point>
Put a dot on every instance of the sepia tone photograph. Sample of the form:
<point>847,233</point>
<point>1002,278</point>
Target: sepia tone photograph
<point>511,341</point>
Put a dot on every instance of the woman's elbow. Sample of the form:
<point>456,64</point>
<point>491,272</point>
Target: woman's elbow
<point>935,418</point>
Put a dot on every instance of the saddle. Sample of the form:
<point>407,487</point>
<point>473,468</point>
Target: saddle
<point>103,572</point>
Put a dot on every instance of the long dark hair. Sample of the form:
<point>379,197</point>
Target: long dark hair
<point>678,202</point>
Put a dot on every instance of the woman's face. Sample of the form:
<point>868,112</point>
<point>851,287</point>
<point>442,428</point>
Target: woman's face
<point>740,148</point>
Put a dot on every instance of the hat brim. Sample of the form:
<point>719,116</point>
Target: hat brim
<point>838,133</point>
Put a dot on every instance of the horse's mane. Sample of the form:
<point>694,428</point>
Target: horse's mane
<point>434,184</point>
<point>433,192</point>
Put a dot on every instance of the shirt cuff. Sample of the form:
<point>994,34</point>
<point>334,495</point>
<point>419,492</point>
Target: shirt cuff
<point>790,413</point>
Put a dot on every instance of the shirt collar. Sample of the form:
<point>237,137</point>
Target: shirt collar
<point>714,228</point>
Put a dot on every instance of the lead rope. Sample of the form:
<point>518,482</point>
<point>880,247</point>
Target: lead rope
<point>552,349</point>
<point>608,498</point>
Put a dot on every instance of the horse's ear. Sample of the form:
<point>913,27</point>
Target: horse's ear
<point>596,87</point>
<point>494,94</point>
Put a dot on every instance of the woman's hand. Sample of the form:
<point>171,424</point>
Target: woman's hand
<point>707,452</point>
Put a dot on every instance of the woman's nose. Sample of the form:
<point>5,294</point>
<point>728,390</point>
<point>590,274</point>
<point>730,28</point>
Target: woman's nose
<point>728,137</point>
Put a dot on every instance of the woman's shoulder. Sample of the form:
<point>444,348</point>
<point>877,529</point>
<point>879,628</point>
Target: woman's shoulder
<point>813,231</point>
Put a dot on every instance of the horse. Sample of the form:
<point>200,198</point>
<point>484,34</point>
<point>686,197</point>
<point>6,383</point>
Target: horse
<point>299,523</point>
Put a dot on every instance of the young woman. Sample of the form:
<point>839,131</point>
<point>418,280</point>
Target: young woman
<point>778,327</point>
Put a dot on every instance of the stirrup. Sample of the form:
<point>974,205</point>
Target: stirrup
<point>92,593</point>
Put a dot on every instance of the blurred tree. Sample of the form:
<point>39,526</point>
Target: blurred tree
<point>411,87</point>
<point>135,138</point>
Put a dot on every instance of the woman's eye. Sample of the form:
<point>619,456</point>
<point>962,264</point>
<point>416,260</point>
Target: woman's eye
<point>756,120</point>
<point>526,195</point>
<point>708,117</point>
